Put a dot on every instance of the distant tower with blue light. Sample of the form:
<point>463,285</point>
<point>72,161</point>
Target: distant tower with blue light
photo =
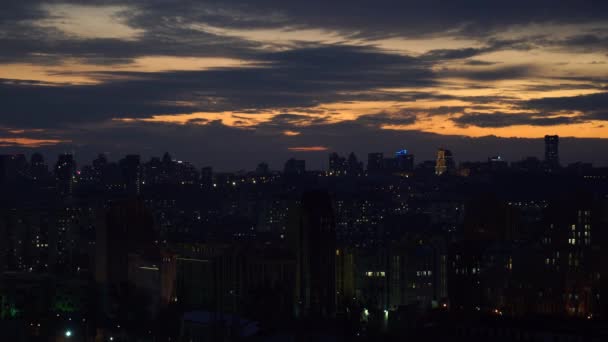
<point>405,160</point>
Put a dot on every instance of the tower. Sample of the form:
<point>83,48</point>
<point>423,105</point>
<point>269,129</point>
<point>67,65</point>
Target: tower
<point>552,151</point>
<point>405,160</point>
<point>313,240</point>
<point>375,162</point>
<point>65,171</point>
<point>444,163</point>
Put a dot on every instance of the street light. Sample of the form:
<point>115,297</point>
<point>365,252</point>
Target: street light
<point>68,333</point>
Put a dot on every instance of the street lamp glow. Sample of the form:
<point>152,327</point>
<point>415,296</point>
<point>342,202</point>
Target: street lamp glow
<point>68,333</point>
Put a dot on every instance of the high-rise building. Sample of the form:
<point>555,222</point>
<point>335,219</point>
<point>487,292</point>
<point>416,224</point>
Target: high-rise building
<point>99,167</point>
<point>313,240</point>
<point>8,168</point>
<point>405,161</point>
<point>337,164</point>
<point>355,167</point>
<point>131,173</point>
<point>262,169</point>
<point>444,162</point>
<point>38,169</point>
<point>552,151</point>
<point>375,162</point>
<point>126,226</point>
<point>207,177</point>
<point>65,170</point>
<point>295,167</point>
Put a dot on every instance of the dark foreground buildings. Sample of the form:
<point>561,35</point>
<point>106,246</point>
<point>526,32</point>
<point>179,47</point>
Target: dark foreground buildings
<point>313,230</point>
<point>158,250</point>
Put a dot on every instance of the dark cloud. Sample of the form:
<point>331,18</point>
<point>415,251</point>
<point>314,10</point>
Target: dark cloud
<point>49,46</point>
<point>295,78</point>
<point>498,119</point>
<point>177,28</point>
<point>493,45</point>
<point>491,74</point>
<point>477,62</point>
<point>287,120</point>
<point>562,86</point>
<point>583,103</point>
<point>583,43</point>
<point>592,107</point>
<point>381,119</point>
<point>384,18</point>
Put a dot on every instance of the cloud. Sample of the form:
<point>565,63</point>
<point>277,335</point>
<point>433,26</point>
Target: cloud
<point>491,74</point>
<point>591,107</point>
<point>584,103</point>
<point>308,149</point>
<point>477,62</point>
<point>383,18</point>
<point>400,118</point>
<point>498,119</point>
<point>214,28</point>
<point>297,78</point>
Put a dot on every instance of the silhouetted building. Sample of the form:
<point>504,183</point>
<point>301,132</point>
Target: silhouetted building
<point>127,226</point>
<point>552,151</point>
<point>405,161</point>
<point>337,165</point>
<point>313,239</point>
<point>389,165</point>
<point>355,167</point>
<point>375,162</point>
<point>345,277</point>
<point>527,165</point>
<point>38,169</point>
<point>65,171</point>
<point>207,177</point>
<point>262,169</point>
<point>131,173</point>
<point>295,167</point>
<point>496,163</point>
<point>8,168</point>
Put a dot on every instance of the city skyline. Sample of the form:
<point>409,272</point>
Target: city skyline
<point>550,155</point>
<point>212,79</point>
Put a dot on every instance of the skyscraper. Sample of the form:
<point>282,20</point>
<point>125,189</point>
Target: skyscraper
<point>313,240</point>
<point>444,163</point>
<point>38,169</point>
<point>131,173</point>
<point>552,151</point>
<point>375,162</point>
<point>405,160</point>
<point>337,164</point>
<point>65,170</point>
<point>295,167</point>
<point>355,167</point>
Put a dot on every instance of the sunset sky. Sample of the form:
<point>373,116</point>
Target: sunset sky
<point>230,83</point>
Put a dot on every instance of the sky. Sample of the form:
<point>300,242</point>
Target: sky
<point>231,83</point>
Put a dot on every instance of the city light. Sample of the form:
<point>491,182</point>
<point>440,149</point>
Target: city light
<point>68,333</point>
